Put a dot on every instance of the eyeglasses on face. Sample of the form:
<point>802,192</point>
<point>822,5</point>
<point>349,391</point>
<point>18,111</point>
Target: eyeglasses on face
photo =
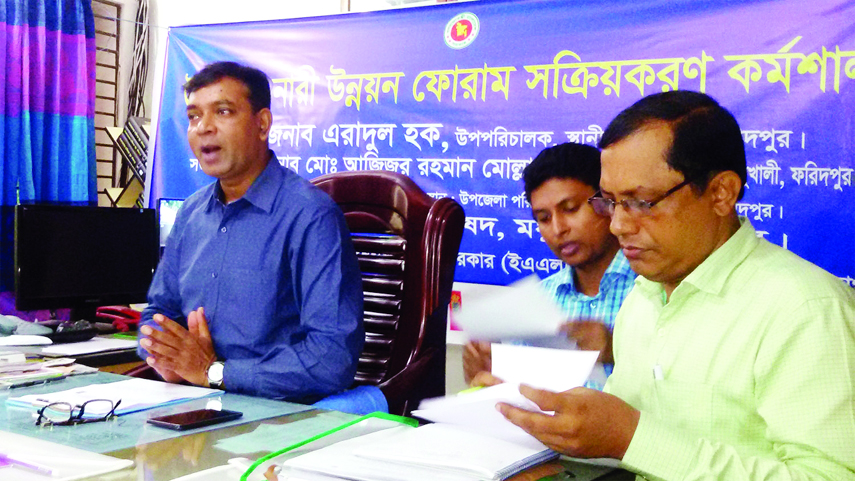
<point>633,207</point>
<point>66,414</point>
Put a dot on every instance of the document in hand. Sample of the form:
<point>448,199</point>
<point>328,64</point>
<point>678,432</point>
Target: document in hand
<point>433,452</point>
<point>521,311</point>
<point>476,412</point>
<point>553,369</point>
<point>64,463</point>
<point>135,394</point>
<point>556,370</point>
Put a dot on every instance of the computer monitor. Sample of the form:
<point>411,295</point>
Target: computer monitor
<point>83,257</point>
<point>167,209</point>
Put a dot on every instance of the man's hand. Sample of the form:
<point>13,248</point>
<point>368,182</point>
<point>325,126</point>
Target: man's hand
<point>477,357</point>
<point>178,352</point>
<point>586,423</point>
<point>484,379</point>
<point>591,336</point>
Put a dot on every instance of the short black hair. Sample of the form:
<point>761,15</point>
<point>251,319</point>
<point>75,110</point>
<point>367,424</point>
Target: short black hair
<point>707,138</point>
<point>255,80</point>
<point>564,161</point>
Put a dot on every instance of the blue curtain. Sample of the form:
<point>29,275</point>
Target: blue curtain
<point>47,88</point>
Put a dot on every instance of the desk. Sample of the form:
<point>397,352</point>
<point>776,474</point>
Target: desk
<point>158,459</point>
<point>191,453</point>
<point>166,460</point>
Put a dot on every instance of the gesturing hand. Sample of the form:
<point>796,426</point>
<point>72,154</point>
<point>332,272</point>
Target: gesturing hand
<point>185,353</point>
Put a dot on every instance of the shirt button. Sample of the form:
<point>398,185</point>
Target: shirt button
<point>660,333</point>
<point>223,229</point>
<point>593,305</point>
<point>214,275</point>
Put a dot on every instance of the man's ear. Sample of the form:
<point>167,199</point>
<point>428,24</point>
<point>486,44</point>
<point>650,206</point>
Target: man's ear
<point>725,188</point>
<point>265,121</point>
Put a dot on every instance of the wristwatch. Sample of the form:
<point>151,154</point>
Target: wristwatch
<point>215,374</point>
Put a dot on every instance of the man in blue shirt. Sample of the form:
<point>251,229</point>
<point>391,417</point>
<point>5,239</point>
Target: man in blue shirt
<point>596,277</point>
<point>259,290</point>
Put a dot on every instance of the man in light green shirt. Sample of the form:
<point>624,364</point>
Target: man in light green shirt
<point>734,358</point>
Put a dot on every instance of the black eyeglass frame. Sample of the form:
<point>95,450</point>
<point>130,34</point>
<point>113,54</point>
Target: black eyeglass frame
<point>74,419</point>
<point>632,206</point>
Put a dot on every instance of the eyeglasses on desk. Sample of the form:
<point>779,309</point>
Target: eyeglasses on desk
<point>66,414</point>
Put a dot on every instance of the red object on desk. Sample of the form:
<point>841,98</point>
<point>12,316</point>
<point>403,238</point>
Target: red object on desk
<point>123,318</point>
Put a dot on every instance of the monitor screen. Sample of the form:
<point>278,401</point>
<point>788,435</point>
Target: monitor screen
<point>83,257</point>
<point>167,209</point>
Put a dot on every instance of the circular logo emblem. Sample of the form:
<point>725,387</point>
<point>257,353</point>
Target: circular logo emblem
<point>461,30</point>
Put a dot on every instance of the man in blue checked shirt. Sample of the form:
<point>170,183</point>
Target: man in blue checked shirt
<point>258,291</point>
<point>596,278</point>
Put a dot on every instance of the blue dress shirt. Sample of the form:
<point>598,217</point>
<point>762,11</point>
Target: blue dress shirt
<point>278,277</point>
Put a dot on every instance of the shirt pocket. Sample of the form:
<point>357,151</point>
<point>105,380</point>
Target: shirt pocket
<point>686,406</point>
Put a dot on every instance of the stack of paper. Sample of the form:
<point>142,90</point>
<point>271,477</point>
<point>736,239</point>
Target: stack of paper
<point>429,453</point>
<point>96,344</point>
<point>15,369</point>
<point>135,394</point>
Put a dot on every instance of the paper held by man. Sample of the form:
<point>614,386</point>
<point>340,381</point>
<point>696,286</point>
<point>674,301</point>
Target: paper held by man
<point>553,369</point>
<point>521,311</point>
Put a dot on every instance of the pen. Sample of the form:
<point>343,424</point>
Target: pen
<point>471,389</point>
<point>36,382</point>
<point>26,464</point>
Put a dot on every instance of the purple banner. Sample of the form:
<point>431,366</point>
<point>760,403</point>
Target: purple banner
<point>461,97</point>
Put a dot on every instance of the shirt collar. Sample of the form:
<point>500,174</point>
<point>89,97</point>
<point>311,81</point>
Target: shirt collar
<point>263,190</point>
<point>712,274</point>
<point>619,267</point>
<point>714,271</point>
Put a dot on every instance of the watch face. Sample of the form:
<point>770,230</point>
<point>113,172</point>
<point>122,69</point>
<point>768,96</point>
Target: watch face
<point>215,373</point>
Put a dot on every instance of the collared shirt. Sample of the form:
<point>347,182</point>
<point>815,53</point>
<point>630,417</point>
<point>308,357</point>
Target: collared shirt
<point>278,277</point>
<point>615,284</point>
<point>746,373</point>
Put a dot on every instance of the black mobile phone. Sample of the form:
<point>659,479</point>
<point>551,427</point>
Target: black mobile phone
<point>194,419</point>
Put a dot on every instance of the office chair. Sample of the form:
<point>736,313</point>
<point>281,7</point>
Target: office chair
<point>407,247</point>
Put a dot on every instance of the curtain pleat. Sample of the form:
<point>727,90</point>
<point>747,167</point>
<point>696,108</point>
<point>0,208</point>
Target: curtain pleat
<point>47,92</point>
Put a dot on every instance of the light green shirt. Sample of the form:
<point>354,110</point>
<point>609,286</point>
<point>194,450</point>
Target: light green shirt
<point>747,373</point>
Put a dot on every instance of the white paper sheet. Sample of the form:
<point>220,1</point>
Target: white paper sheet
<point>553,369</point>
<point>477,412</point>
<point>96,344</point>
<point>454,449</point>
<point>24,340</point>
<point>135,394</point>
<point>67,463</point>
<point>339,461</point>
<point>521,311</point>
